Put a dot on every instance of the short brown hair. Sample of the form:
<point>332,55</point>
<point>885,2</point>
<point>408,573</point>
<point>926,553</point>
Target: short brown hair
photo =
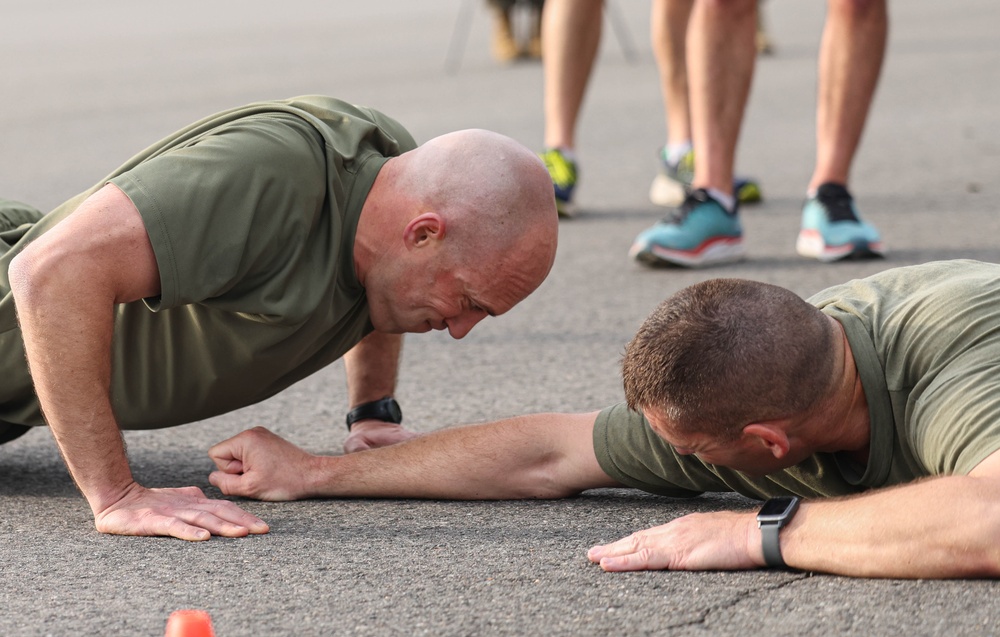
<point>721,354</point>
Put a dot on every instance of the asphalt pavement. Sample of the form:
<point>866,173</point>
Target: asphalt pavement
<point>83,86</point>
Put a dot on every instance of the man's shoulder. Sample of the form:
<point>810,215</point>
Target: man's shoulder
<point>387,133</point>
<point>939,276</point>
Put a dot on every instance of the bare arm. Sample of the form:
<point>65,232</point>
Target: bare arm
<point>372,366</point>
<point>66,285</point>
<point>537,456</point>
<point>935,528</point>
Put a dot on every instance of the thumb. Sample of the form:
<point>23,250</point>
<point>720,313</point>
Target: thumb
<point>228,483</point>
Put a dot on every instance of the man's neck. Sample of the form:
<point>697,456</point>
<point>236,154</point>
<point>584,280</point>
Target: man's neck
<point>849,425</point>
<point>373,219</point>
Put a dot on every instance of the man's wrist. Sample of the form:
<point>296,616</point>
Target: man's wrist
<point>774,516</point>
<point>385,409</point>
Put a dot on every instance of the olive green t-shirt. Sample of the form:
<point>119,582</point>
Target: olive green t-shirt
<point>252,215</point>
<point>926,342</point>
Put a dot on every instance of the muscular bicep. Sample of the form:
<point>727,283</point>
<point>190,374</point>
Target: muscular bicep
<point>101,248</point>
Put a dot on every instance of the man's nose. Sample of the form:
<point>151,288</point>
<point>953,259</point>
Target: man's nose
<point>461,325</point>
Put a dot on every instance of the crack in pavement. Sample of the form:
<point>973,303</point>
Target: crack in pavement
<point>738,599</point>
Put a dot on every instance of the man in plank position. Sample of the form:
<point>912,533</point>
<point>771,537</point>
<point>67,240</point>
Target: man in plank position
<point>238,256</point>
<point>877,402</point>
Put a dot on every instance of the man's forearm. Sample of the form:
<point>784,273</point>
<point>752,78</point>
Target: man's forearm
<point>940,527</point>
<point>68,352</point>
<point>372,367</point>
<point>66,284</point>
<point>537,456</point>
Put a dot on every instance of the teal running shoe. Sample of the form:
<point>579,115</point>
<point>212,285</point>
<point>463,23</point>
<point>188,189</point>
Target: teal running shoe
<point>832,230</point>
<point>701,232</point>
<point>564,174</point>
<point>672,183</point>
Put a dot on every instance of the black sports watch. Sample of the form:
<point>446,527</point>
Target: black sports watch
<point>776,513</point>
<point>384,409</point>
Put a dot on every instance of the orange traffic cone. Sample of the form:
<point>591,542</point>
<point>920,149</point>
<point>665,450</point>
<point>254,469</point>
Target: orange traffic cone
<point>189,623</point>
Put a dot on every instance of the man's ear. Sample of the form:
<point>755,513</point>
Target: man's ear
<point>424,229</point>
<point>771,435</point>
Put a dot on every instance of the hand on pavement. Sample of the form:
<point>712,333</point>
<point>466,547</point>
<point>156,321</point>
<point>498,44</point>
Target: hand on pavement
<point>183,513</point>
<point>724,540</point>
<point>262,465</point>
<point>372,434</point>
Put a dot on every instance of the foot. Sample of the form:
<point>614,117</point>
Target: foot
<point>505,47</point>
<point>701,232</point>
<point>832,230</point>
<point>671,185</point>
<point>563,172</point>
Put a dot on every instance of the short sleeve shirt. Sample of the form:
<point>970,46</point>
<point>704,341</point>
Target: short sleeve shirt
<point>926,342</point>
<point>252,215</point>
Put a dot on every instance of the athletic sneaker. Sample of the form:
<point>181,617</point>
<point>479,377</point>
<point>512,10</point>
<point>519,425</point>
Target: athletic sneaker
<point>672,183</point>
<point>563,173</point>
<point>832,229</point>
<point>747,190</point>
<point>701,232</point>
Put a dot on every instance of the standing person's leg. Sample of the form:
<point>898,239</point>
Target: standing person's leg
<point>668,32</point>
<point>720,59</point>
<point>721,55</point>
<point>505,46</point>
<point>851,54</point>
<point>571,33</point>
<point>668,35</point>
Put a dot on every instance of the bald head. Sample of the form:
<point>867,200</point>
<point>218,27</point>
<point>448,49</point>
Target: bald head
<point>491,189</point>
<point>484,199</point>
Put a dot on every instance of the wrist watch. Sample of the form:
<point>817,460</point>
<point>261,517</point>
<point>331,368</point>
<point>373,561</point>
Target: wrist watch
<point>384,409</point>
<point>776,513</point>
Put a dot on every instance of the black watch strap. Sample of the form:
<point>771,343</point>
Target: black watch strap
<point>384,409</point>
<point>773,516</point>
<point>772,546</point>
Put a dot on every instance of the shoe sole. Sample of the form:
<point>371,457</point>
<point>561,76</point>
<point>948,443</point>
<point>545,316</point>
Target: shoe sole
<point>666,192</point>
<point>810,244</point>
<point>713,252</point>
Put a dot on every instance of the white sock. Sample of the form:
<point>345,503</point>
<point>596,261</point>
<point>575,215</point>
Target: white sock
<point>728,201</point>
<point>676,152</point>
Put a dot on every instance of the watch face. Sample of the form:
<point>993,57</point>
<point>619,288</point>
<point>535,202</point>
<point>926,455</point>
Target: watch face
<point>395,413</point>
<point>777,509</point>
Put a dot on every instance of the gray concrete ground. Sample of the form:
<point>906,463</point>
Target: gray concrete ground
<point>84,86</point>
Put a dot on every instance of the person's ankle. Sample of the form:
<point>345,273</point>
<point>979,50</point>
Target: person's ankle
<point>727,201</point>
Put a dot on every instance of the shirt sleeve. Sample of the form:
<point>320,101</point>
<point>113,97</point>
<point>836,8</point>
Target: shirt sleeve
<point>226,211</point>
<point>957,418</point>
<point>629,451</point>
